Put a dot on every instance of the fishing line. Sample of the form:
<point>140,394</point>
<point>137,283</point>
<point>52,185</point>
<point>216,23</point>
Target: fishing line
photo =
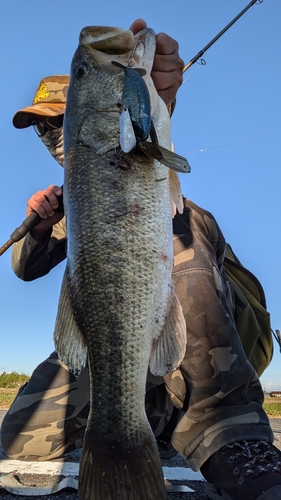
<point>198,58</point>
<point>232,143</point>
<point>32,220</point>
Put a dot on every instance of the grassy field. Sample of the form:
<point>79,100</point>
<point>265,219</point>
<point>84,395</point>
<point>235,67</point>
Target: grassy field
<point>12,380</point>
<point>7,396</point>
<point>272,407</point>
<point>10,383</point>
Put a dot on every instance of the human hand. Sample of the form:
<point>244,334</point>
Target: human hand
<point>167,71</point>
<point>45,203</point>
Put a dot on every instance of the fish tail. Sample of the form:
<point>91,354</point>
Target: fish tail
<point>134,474</point>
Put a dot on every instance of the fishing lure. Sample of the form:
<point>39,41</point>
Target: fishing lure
<point>135,116</point>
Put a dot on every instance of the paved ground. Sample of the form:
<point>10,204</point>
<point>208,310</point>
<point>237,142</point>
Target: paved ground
<point>175,467</point>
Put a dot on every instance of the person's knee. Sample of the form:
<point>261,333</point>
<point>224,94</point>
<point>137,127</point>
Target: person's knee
<point>10,440</point>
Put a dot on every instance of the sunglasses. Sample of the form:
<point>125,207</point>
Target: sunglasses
<point>50,123</point>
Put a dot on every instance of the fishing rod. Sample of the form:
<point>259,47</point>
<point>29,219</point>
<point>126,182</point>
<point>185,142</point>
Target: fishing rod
<point>200,54</point>
<point>33,219</point>
<point>27,225</point>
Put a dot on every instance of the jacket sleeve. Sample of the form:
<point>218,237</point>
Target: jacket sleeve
<point>32,260</point>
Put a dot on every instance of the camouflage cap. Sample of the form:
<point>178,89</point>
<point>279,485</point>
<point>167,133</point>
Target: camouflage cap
<point>49,100</point>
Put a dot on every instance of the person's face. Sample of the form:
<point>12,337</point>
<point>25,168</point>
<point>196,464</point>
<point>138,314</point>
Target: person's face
<point>50,132</point>
<point>46,124</point>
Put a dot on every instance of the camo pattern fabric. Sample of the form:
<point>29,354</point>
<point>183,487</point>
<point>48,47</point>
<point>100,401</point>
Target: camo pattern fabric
<point>222,396</point>
<point>49,415</point>
<point>52,89</point>
<point>216,388</point>
<point>49,101</point>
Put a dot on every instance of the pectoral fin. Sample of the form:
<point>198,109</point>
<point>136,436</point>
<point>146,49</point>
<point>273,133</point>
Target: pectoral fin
<point>168,158</point>
<point>169,348</point>
<point>69,342</point>
<point>176,198</point>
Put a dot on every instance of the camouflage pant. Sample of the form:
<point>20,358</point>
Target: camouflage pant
<point>49,415</point>
<point>216,387</point>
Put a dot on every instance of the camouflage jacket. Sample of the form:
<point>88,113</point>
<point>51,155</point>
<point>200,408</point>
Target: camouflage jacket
<point>31,260</point>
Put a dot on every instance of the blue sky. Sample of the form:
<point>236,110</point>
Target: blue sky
<point>227,123</point>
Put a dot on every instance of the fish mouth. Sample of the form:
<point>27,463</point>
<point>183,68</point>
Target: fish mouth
<point>117,41</point>
<point>107,39</point>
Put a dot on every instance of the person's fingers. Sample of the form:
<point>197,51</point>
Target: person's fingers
<point>51,194</point>
<point>167,68</point>
<point>167,71</point>
<point>167,84</point>
<point>165,44</point>
<point>44,202</point>
<point>138,25</point>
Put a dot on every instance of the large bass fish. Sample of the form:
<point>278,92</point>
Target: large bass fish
<point>118,311</point>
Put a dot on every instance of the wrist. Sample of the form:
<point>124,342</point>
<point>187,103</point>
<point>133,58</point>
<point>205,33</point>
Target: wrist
<point>41,234</point>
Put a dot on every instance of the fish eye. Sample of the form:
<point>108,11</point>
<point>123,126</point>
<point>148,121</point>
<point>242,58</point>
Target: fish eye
<point>81,69</point>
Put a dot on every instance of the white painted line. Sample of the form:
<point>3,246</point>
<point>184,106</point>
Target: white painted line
<point>72,469</point>
<point>49,468</point>
<point>11,484</point>
<point>182,474</point>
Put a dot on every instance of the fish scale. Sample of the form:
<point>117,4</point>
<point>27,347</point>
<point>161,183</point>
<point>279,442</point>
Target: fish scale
<point>117,296</point>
